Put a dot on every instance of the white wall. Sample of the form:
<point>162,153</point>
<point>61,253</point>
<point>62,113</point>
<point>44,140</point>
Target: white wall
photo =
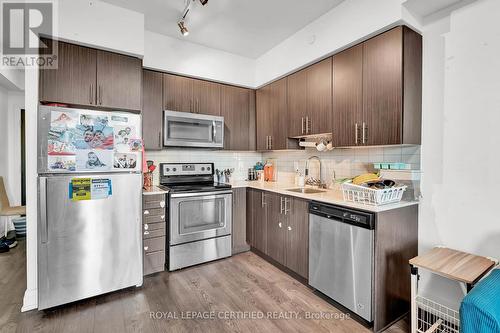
<point>4,138</point>
<point>344,25</point>
<point>101,25</point>
<point>460,142</point>
<point>173,55</point>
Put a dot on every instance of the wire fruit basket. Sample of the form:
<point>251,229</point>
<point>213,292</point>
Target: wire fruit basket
<point>369,196</point>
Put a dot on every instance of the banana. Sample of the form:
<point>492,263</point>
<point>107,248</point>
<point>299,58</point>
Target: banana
<point>364,178</point>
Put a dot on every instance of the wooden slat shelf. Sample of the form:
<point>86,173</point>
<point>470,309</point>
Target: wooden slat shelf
<point>453,264</point>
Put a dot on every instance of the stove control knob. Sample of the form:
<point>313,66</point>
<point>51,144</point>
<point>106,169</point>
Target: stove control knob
<point>202,168</point>
<point>174,169</point>
<point>168,169</point>
<point>208,168</point>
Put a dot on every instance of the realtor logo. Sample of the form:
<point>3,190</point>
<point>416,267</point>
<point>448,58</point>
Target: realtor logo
<point>22,25</point>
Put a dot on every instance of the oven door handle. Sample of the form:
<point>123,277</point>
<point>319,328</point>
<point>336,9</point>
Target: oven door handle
<point>199,194</point>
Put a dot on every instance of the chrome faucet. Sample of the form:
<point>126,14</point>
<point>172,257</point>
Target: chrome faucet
<point>311,180</point>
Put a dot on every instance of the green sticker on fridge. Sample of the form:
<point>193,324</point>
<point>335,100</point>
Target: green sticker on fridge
<point>80,189</point>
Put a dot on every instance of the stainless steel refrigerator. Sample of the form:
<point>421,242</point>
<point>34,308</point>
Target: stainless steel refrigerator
<point>89,203</point>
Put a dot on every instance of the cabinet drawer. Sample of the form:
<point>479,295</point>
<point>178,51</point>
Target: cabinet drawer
<point>153,226</point>
<point>153,219</point>
<point>153,233</point>
<point>154,201</point>
<point>154,262</point>
<point>154,244</point>
<point>153,211</point>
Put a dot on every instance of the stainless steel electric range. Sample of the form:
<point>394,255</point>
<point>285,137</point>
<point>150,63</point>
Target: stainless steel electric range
<point>200,214</point>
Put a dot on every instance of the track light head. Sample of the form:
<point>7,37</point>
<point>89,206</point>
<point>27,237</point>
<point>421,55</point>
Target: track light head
<point>182,27</point>
<point>203,2</point>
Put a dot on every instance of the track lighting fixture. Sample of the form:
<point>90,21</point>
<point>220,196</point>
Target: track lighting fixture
<point>182,27</point>
<point>181,23</point>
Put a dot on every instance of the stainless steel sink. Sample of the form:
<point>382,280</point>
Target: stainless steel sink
<point>306,190</point>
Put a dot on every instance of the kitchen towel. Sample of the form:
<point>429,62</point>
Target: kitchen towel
<point>480,309</point>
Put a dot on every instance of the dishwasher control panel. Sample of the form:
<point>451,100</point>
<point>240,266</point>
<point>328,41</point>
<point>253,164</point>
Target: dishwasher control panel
<point>346,215</point>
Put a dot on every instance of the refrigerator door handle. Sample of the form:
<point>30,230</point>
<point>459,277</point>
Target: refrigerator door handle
<point>43,210</point>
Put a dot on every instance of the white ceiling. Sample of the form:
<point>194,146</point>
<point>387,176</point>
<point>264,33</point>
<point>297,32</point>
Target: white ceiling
<point>428,7</point>
<point>246,27</point>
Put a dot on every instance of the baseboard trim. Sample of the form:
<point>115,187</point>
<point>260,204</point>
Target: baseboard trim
<point>30,300</point>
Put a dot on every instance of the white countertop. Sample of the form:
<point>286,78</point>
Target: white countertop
<point>334,197</point>
<point>151,190</point>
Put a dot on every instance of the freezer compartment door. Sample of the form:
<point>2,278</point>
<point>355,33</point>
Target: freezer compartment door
<point>88,247</point>
<point>72,141</point>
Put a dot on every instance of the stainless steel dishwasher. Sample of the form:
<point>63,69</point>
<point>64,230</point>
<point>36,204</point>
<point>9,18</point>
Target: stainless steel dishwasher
<point>341,252</point>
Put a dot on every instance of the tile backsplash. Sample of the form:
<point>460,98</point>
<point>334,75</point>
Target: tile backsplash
<point>345,163</point>
<point>240,161</point>
<point>342,163</point>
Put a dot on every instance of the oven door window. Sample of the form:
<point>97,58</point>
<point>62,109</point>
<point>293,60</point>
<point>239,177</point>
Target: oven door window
<point>201,215</point>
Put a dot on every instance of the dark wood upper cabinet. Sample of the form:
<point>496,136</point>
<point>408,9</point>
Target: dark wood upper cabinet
<point>152,109</point>
<point>392,88</point>
<point>297,236</point>
<point>297,103</point>
<point>309,99</point>
<point>271,116</point>
<point>319,97</point>
<point>206,97</point>
<point>74,81</point>
<point>348,97</point>
<point>191,95</point>
<point>119,81</point>
<point>90,77</point>
<point>236,108</point>
<point>177,93</point>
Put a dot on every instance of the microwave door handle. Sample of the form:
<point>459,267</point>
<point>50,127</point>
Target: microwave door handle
<point>214,131</point>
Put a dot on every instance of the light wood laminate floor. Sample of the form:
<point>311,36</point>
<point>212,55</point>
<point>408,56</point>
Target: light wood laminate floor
<point>244,285</point>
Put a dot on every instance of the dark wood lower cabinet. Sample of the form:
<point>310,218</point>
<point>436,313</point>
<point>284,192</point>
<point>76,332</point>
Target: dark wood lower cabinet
<point>257,219</point>
<point>239,230</point>
<point>275,227</point>
<point>297,236</point>
<point>280,228</point>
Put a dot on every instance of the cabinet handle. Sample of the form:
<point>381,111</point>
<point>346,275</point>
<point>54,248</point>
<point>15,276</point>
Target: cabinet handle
<point>308,125</point>
<point>191,106</point>
<point>197,106</point>
<point>281,205</point>
<point>356,128</point>
<point>286,206</point>
<point>162,204</point>
<point>289,228</point>
<point>280,225</point>
<point>302,123</point>
<point>90,94</point>
<point>162,217</point>
<point>146,248</point>
<point>146,212</point>
<point>100,95</point>
<point>146,233</point>
<point>270,142</point>
<point>365,140</point>
<point>262,200</point>
<point>159,139</point>
<point>146,226</point>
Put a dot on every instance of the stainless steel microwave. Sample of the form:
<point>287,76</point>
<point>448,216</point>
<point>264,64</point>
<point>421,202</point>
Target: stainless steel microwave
<point>183,129</point>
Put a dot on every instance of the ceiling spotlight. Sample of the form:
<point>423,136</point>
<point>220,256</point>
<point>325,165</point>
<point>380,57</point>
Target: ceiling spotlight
<point>182,27</point>
<point>203,2</point>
